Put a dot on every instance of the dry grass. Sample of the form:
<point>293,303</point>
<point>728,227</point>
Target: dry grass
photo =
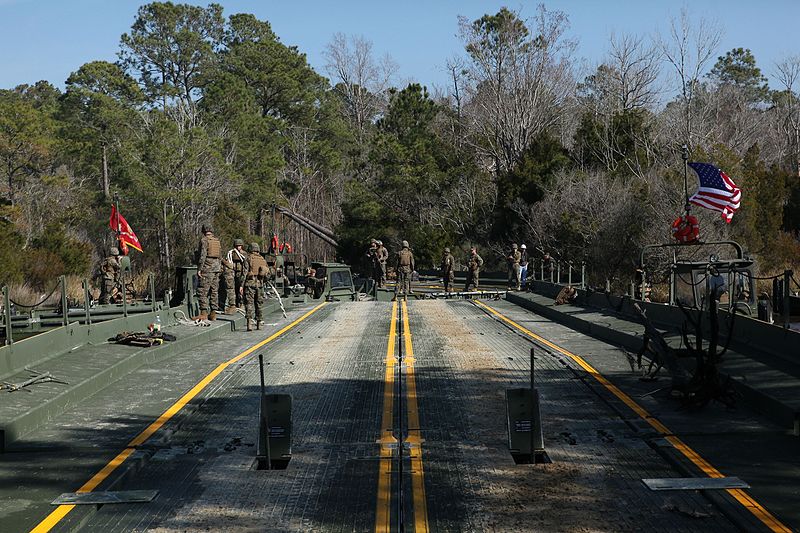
<point>27,297</point>
<point>138,283</point>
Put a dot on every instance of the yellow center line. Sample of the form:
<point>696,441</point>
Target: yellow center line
<point>414,437</point>
<point>62,510</point>
<point>383,508</point>
<point>740,495</point>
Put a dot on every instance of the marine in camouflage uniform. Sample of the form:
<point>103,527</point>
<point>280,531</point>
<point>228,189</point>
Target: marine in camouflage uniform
<point>234,268</point>
<point>372,261</point>
<point>257,273</point>
<point>109,270</point>
<point>474,264</point>
<point>209,267</point>
<point>405,266</point>
<point>514,257</point>
<point>383,257</point>
<point>448,270</point>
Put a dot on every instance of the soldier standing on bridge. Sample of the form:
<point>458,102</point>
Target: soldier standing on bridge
<point>109,270</point>
<point>514,258</point>
<point>383,257</point>
<point>448,267</point>
<point>474,264</point>
<point>405,266</point>
<point>372,259</point>
<point>235,268</point>
<point>208,270</point>
<point>257,274</point>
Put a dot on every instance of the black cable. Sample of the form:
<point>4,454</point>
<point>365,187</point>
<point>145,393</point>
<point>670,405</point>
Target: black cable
<point>680,277</point>
<point>43,300</point>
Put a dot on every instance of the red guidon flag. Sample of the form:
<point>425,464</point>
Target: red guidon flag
<point>125,234</point>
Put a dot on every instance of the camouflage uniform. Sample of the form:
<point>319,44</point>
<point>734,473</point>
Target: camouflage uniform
<point>209,267</point>
<point>514,258</point>
<point>405,266</point>
<point>383,257</point>
<point>235,269</point>
<point>448,267</point>
<point>474,264</point>
<point>257,273</point>
<point>372,258</point>
<point>109,270</point>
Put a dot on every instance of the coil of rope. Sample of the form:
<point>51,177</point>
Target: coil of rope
<point>182,319</point>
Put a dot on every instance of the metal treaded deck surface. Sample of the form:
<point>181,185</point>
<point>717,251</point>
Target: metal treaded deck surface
<point>68,450</point>
<point>738,442</point>
<point>333,368</point>
<point>465,360</point>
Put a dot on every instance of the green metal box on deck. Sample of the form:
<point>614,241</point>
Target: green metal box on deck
<point>525,439</point>
<point>277,416</point>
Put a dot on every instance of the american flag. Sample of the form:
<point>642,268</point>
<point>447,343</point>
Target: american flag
<point>717,191</point>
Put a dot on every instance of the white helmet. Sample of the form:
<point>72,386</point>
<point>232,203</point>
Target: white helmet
<point>523,247</point>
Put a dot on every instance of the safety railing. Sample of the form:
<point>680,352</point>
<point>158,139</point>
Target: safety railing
<point>34,318</point>
<point>558,272</point>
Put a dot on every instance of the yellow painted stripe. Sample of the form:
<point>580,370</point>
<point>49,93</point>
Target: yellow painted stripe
<point>742,497</point>
<point>62,510</point>
<point>414,436</point>
<point>383,507</point>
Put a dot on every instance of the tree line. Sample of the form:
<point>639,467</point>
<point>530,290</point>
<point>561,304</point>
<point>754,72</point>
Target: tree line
<point>208,118</point>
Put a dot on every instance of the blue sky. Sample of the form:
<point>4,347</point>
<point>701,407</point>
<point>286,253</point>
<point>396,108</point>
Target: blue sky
<point>48,39</point>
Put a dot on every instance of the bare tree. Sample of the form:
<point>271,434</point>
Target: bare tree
<point>688,49</point>
<point>788,73</point>
<point>622,93</point>
<point>360,78</point>
<point>520,77</point>
<point>635,69</point>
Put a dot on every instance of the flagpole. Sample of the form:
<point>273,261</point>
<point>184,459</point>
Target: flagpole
<point>116,214</point>
<point>685,154</point>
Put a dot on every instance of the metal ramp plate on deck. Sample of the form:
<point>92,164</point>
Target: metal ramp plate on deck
<point>104,497</point>
<point>695,483</point>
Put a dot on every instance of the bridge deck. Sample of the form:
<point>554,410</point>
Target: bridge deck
<point>457,360</point>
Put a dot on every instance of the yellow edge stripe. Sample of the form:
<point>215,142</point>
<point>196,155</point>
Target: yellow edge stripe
<point>62,510</point>
<point>743,498</point>
<point>382,510</point>
<point>414,436</point>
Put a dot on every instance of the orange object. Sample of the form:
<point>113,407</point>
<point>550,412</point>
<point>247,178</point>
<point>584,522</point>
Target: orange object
<point>686,229</point>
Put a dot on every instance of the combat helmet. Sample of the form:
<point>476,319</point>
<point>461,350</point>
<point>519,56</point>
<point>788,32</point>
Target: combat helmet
<point>447,250</point>
<point>238,242</point>
<point>254,247</point>
<point>404,244</point>
<point>113,250</point>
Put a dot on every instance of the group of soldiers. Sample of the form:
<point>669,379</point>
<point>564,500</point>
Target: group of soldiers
<point>377,256</point>
<point>474,264</point>
<point>245,275</point>
<point>517,259</point>
<point>405,266</point>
